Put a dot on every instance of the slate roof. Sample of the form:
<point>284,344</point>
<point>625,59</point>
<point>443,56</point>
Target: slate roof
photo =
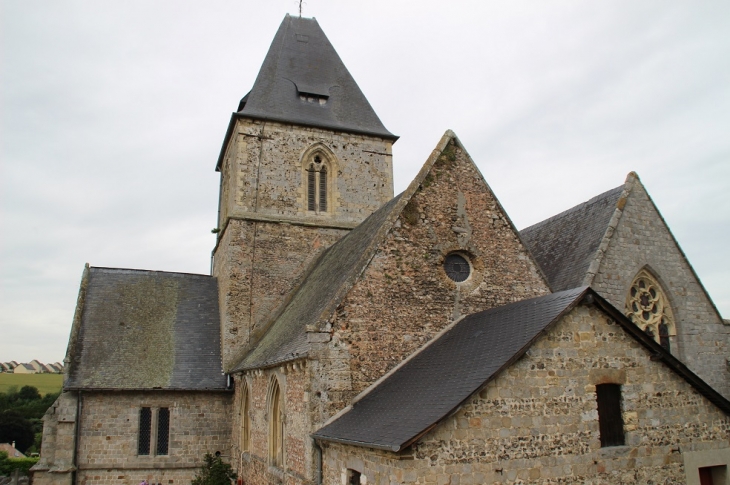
<point>565,244</point>
<point>302,62</point>
<point>139,329</point>
<point>434,383</point>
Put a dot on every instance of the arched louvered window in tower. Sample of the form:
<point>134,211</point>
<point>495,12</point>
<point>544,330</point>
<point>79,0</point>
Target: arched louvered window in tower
<point>317,185</point>
<point>648,307</point>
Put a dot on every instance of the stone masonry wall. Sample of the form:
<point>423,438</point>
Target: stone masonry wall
<point>537,422</point>
<point>254,466</point>
<point>267,237</point>
<point>642,239</point>
<point>267,163</point>
<point>56,464</point>
<point>404,296</point>
<point>107,448</point>
<point>257,265</point>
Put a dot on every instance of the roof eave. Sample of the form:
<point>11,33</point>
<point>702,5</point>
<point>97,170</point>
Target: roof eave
<point>144,389</point>
<point>377,446</point>
<point>229,132</point>
<point>660,353</point>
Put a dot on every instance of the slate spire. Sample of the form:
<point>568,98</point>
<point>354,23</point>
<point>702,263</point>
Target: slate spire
<point>304,81</point>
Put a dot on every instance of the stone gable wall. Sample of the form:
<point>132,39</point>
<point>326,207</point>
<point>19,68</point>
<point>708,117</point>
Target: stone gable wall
<point>107,448</point>
<point>404,297</point>
<point>537,422</point>
<point>641,238</point>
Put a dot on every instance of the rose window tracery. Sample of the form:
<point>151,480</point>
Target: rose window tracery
<point>647,307</point>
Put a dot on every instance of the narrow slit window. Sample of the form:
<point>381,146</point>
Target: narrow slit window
<point>664,336</point>
<point>163,431</point>
<point>145,431</point>
<point>245,420</point>
<point>610,420</point>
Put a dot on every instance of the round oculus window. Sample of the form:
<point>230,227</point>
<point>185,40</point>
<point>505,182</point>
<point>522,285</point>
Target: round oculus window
<point>457,267</point>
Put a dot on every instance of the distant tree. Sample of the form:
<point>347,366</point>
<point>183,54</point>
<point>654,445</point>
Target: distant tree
<point>214,472</point>
<point>14,427</point>
<point>29,393</point>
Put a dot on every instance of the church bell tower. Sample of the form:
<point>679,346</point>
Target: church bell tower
<point>305,159</point>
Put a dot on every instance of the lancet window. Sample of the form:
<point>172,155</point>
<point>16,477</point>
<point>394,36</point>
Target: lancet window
<point>276,425</point>
<point>245,417</point>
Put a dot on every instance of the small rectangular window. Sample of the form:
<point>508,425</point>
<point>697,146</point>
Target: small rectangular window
<point>145,431</point>
<point>163,430</point>
<point>610,420</point>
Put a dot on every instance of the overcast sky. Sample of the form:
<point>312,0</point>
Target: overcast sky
<point>113,114</point>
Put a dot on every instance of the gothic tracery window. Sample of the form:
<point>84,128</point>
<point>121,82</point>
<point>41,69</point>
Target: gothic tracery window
<point>317,185</point>
<point>647,306</point>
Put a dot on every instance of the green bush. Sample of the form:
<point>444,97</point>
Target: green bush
<point>8,465</point>
<point>214,472</point>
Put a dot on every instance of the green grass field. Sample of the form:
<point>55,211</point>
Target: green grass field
<point>45,383</point>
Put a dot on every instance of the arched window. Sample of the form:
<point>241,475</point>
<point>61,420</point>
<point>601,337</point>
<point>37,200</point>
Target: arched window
<point>245,416</point>
<point>648,307</point>
<point>317,185</point>
<point>276,425</point>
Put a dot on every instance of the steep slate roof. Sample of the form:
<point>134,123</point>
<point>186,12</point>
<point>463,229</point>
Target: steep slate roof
<point>331,278</point>
<point>433,384</point>
<point>302,62</point>
<point>145,330</point>
<point>564,245</point>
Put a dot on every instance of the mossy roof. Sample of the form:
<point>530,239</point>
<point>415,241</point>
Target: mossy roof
<point>145,330</point>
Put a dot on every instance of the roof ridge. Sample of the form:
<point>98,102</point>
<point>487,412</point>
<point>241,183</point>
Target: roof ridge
<point>106,269</point>
<point>575,208</point>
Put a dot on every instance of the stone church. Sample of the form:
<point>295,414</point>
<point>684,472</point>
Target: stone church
<point>348,335</point>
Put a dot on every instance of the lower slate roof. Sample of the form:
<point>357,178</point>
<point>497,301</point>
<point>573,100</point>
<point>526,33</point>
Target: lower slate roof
<point>435,382</point>
<point>565,244</point>
<point>137,329</point>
